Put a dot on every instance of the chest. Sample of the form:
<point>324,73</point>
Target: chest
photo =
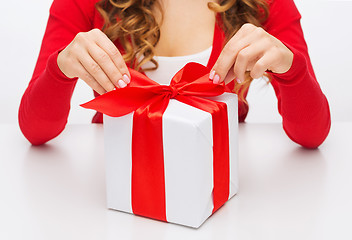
<point>187,27</point>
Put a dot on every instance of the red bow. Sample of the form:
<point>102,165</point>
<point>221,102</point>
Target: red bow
<point>149,100</point>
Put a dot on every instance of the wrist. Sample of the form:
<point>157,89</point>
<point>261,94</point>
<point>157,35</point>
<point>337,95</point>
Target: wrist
<point>55,69</point>
<point>297,68</point>
<point>287,61</point>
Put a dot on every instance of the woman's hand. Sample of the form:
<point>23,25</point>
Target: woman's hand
<point>251,49</point>
<point>92,57</point>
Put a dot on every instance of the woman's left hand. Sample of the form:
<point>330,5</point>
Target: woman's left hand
<point>251,49</point>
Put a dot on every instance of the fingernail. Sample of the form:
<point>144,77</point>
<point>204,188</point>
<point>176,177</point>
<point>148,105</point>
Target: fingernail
<point>121,83</point>
<point>216,79</point>
<point>238,80</point>
<point>211,75</point>
<point>126,78</point>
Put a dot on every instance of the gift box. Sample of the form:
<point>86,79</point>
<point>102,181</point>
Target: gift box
<point>171,151</point>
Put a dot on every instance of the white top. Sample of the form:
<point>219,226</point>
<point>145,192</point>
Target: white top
<point>169,66</point>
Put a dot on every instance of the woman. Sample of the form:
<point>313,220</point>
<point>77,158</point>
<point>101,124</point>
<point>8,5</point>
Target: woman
<point>97,40</point>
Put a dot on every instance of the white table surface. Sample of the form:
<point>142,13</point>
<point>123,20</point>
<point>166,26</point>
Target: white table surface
<point>57,191</point>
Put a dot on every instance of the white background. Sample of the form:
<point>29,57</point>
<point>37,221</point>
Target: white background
<point>326,24</point>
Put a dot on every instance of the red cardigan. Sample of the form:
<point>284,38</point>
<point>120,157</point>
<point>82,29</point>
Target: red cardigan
<point>45,104</point>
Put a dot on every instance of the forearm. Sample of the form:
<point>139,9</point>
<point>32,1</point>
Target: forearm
<point>302,105</point>
<point>45,105</point>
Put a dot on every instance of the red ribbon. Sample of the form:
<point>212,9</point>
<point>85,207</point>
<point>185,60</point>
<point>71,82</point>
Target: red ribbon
<point>149,100</point>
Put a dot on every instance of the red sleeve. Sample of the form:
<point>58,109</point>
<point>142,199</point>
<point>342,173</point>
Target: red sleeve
<point>302,105</point>
<point>45,104</point>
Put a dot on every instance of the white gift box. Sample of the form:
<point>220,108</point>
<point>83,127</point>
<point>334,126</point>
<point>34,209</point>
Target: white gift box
<point>188,160</point>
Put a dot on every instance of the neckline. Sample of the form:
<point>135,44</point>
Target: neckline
<point>183,57</point>
<point>218,38</point>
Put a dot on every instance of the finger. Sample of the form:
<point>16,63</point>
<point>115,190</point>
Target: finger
<point>108,46</point>
<point>263,64</point>
<point>227,57</point>
<point>107,65</point>
<point>96,71</point>
<point>229,77</point>
<point>91,82</point>
<point>251,65</point>
<point>244,57</point>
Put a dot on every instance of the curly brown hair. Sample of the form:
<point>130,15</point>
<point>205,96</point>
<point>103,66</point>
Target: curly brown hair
<point>133,24</point>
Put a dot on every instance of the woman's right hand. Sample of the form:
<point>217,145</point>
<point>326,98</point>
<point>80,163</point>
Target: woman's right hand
<point>92,57</point>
